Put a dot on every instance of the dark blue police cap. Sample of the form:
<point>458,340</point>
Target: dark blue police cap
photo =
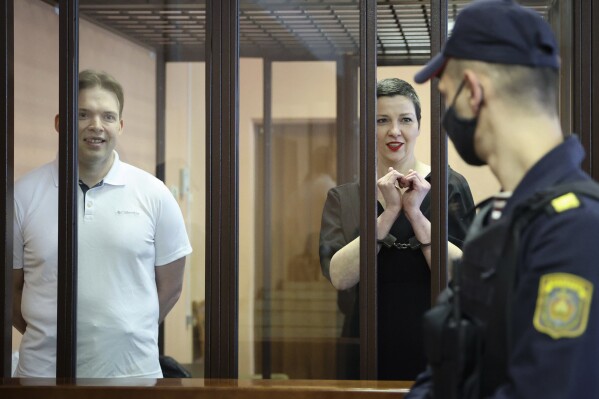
<point>497,31</point>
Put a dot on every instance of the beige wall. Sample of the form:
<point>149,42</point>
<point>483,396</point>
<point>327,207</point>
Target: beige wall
<point>250,110</point>
<point>185,154</point>
<point>36,86</point>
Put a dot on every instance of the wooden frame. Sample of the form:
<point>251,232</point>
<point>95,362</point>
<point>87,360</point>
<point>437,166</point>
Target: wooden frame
<point>66,344</point>
<point>6,178</point>
<point>222,188</point>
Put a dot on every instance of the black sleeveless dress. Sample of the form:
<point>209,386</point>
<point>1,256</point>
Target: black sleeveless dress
<point>403,283</point>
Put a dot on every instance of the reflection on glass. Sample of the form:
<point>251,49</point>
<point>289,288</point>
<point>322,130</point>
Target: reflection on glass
<point>185,176</point>
<point>36,146</point>
<point>289,321</point>
<point>302,313</point>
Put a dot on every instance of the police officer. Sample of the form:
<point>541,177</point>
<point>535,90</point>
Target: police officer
<point>498,73</point>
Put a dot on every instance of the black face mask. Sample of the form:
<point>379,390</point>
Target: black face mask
<point>461,132</point>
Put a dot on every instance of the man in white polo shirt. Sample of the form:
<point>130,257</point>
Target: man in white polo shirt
<point>132,248</point>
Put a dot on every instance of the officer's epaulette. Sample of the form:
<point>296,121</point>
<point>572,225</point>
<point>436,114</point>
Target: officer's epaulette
<point>563,197</point>
<point>565,202</point>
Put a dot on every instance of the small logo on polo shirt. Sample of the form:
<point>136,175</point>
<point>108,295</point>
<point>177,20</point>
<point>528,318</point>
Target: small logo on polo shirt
<point>135,213</point>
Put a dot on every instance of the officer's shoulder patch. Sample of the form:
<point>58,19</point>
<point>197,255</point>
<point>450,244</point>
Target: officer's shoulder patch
<point>565,202</point>
<point>563,305</point>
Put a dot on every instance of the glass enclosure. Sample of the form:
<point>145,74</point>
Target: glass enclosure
<point>298,139</point>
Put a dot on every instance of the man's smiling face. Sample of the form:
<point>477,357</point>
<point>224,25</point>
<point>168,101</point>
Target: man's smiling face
<point>99,126</point>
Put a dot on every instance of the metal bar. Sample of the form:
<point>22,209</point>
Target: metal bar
<point>212,213</point>
<point>582,78</point>
<point>6,179</point>
<point>66,345</point>
<point>342,122</point>
<point>222,194</point>
<point>593,37</point>
<point>160,144</point>
<point>368,208</point>
<point>159,4</point>
<point>266,209</point>
<point>438,161</point>
<point>190,53</point>
<point>560,17</point>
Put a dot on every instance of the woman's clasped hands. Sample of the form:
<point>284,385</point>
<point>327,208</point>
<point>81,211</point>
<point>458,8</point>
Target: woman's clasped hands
<point>403,192</point>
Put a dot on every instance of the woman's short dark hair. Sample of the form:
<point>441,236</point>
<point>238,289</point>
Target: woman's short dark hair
<point>89,79</point>
<point>397,87</point>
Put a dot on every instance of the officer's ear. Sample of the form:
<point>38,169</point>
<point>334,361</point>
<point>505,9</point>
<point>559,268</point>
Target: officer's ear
<point>57,123</point>
<point>473,86</point>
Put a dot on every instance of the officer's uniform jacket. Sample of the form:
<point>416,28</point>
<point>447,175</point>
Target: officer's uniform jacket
<point>552,346</point>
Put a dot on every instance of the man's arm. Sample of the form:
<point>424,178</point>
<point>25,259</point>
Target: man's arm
<point>169,283</point>
<point>18,281</point>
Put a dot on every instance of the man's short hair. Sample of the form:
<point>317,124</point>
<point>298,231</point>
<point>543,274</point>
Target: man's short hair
<point>529,87</point>
<point>89,79</point>
<point>397,87</point>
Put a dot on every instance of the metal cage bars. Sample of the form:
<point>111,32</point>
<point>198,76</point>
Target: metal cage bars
<point>438,163</point>
<point>66,344</point>
<point>368,197</point>
<point>222,188</point>
<point>6,178</point>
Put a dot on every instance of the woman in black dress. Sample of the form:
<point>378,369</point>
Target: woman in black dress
<point>404,218</point>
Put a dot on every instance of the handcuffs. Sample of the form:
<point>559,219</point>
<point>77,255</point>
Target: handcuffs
<point>390,241</point>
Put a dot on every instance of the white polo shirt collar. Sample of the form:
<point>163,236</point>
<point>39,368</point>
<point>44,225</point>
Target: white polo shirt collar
<point>115,176</point>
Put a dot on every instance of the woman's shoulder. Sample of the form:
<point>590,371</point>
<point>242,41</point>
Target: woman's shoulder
<point>346,189</point>
<point>346,197</point>
<point>455,179</point>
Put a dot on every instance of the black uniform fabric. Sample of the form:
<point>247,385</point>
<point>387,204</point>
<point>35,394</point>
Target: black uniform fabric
<point>562,244</point>
<point>403,279</point>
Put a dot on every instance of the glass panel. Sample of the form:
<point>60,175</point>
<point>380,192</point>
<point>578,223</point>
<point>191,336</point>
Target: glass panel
<point>185,176</point>
<point>403,143</point>
<point>130,267</point>
<point>290,324</point>
<point>404,275</point>
<point>36,145</point>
